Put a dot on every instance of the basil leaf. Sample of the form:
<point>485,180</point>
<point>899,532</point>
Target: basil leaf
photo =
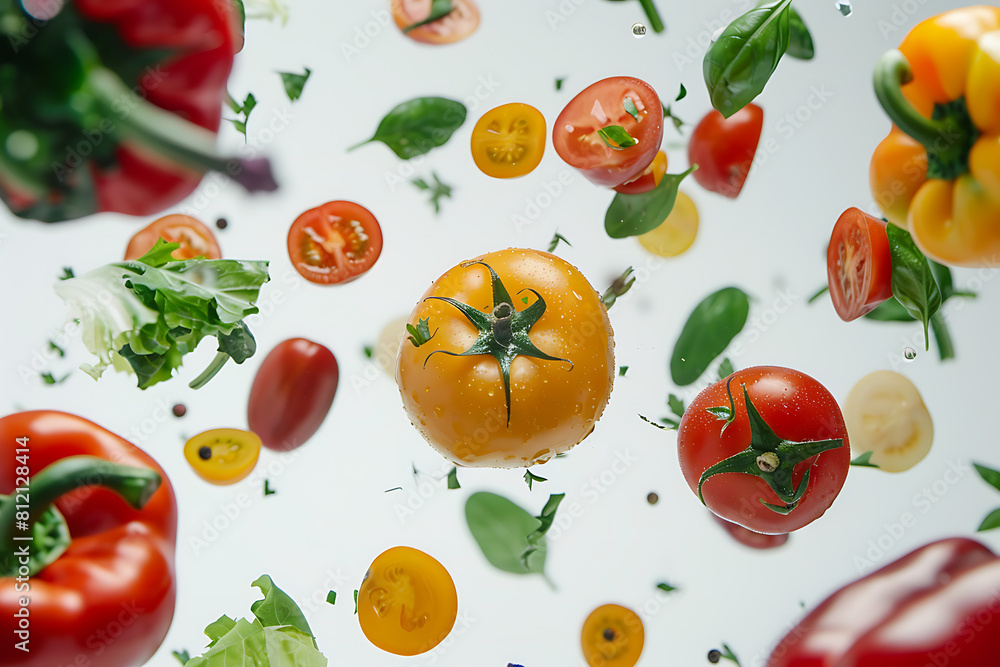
<point>631,109</point>
<point>439,9</point>
<point>864,461</point>
<point>616,137</point>
<point>989,475</point>
<point>501,530</point>
<point>890,311</point>
<point>913,282</point>
<point>453,479</point>
<point>942,274</point>
<point>991,521</point>
<point>631,215</point>
<point>726,369</point>
<point>710,328</point>
<point>740,62</point>
<point>418,125</point>
<point>800,44</point>
<point>294,83</point>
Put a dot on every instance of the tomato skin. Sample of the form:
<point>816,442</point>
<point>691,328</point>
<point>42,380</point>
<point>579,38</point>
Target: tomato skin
<point>407,603</point>
<point>724,148</point>
<point>342,259</point>
<point>574,134</point>
<point>195,238</point>
<point>648,179</point>
<point>292,393</point>
<point>749,538</point>
<point>858,264</point>
<point>509,140</point>
<point>797,408</point>
<point>230,454</point>
<point>456,26</point>
<point>458,403</point>
<point>623,643</point>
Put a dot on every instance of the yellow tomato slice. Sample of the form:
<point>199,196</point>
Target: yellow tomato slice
<point>675,234</point>
<point>223,455</point>
<point>612,636</point>
<point>886,416</point>
<point>509,141</point>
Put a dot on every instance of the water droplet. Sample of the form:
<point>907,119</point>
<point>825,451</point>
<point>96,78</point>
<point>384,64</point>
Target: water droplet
<point>909,354</point>
<point>844,7</point>
<point>638,30</point>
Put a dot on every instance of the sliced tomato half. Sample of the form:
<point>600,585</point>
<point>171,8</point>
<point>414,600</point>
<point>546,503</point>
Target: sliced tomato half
<point>334,243</point>
<point>858,264</point>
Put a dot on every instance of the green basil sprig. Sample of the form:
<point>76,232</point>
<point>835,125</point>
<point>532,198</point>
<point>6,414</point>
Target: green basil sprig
<point>418,125</point>
<point>511,539</point>
<point>294,83</point>
<point>631,215</point>
<point>708,331</point>
<point>616,137</point>
<point>800,44</point>
<point>913,282</point>
<point>742,59</point>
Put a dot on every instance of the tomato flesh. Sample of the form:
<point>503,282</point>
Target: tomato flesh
<point>858,264</point>
<point>455,26</point>
<point>648,179</point>
<point>509,141</point>
<point>612,636</point>
<point>724,148</point>
<point>195,238</point>
<point>602,104</point>
<point>223,455</point>
<point>334,243</point>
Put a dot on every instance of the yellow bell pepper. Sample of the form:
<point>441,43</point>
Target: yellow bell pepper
<point>938,171</point>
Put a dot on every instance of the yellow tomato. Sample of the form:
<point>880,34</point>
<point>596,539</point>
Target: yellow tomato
<point>612,637</point>
<point>541,317</point>
<point>675,234</point>
<point>223,455</point>
<point>407,603</point>
<point>509,140</point>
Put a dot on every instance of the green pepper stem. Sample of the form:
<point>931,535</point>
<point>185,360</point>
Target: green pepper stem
<point>655,22</point>
<point>217,363</point>
<point>135,485</point>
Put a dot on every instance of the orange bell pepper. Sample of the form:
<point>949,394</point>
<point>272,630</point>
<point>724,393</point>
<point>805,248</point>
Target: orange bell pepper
<point>938,171</point>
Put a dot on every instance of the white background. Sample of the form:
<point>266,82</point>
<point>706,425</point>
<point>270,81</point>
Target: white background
<point>331,517</point>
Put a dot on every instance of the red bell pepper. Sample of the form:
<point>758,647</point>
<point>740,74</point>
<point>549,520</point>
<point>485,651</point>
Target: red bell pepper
<point>937,606</point>
<point>94,587</point>
<point>114,106</point>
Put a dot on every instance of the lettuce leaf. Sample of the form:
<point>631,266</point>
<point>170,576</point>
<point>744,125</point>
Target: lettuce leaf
<point>143,316</point>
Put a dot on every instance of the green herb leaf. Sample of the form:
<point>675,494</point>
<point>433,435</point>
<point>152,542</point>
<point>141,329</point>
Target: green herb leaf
<point>668,113</point>
<point>989,475</point>
<point>437,190</point>
<point>676,405</point>
<point>622,370</point>
<point>616,137</point>
<point>58,350</point>
<point>559,83</point>
<point>268,491</point>
<point>632,215</point>
<point>182,656</point>
<point>419,335</point>
<point>331,597</point>
<point>439,9</point>
<point>249,102</point>
<point>294,83</point>
<point>48,378</point>
<point>67,273</point>
<point>864,461</point>
<point>822,290</point>
<point>453,479</point>
<point>672,424</point>
<point>556,238</point>
<point>890,310</point>
<point>991,521</point>
<point>708,331</point>
<point>728,654</point>
<point>631,109</point>
<point>666,587</point>
<point>355,602</point>
<point>740,62</point>
<point>368,351</point>
<point>501,530</point>
<point>530,478</point>
<point>681,94</point>
<point>913,282</point>
<point>619,287</point>
<point>800,42</point>
<point>419,125</point>
<point>725,369</point>
<point>547,516</point>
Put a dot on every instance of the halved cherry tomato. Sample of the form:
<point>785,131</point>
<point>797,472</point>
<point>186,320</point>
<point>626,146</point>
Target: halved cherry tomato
<point>458,24</point>
<point>407,603</point>
<point>648,179</point>
<point>292,393</point>
<point>334,243</point>
<point>612,636</point>
<point>750,538</point>
<point>723,148</point>
<point>858,264</point>
<point>675,234</point>
<point>509,140</point>
<point>602,104</point>
<point>196,239</point>
<point>223,455</point>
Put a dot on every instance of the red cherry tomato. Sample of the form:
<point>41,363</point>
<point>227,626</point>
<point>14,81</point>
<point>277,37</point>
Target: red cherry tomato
<point>292,393</point>
<point>334,243</point>
<point>749,538</point>
<point>858,264</point>
<point>648,179</point>
<point>575,132</point>
<point>723,148</point>
<point>798,409</point>
<point>196,239</point>
<point>458,24</point>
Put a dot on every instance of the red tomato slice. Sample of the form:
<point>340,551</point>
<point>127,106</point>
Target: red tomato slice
<point>723,148</point>
<point>858,264</point>
<point>648,179</point>
<point>334,243</point>
<point>575,132</point>
<point>461,22</point>
<point>196,239</point>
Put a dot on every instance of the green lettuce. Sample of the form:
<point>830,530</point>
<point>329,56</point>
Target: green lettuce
<point>143,316</point>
